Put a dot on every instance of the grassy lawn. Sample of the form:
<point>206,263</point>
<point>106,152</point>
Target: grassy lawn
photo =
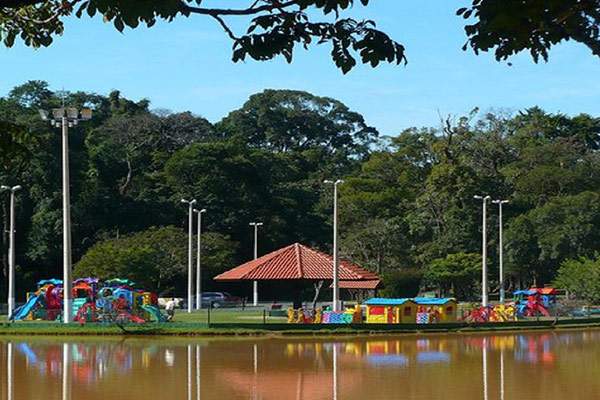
<point>225,315</point>
<point>183,323</point>
<point>250,322</point>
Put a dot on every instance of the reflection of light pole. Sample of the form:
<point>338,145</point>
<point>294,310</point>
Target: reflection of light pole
<point>190,204</point>
<point>485,377</point>
<point>336,289</point>
<point>255,283</point>
<point>65,118</point>
<point>335,372</point>
<point>11,250</point>
<point>66,393</point>
<point>189,372</point>
<point>502,374</point>
<point>484,279</point>
<point>255,359</point>
<point>255,376</point>
<point>9,371</point>
<point>198,251</point>
<point>500,247</point>
<point>197,372</point>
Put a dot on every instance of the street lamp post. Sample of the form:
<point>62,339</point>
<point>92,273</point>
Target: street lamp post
<point>11,250</point>
<point>484,279</point>
<point>500,248</point>
<point>198,252</point>
<point>255,283</point>
<point>65,118</point>
<point>336,289</point>
<point>190,204</point>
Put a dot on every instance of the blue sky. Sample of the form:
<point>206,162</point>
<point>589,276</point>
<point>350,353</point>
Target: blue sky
<point>186,65</point>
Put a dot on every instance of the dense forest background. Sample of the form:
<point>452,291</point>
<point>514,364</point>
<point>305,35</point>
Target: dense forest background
<point>406,207</point>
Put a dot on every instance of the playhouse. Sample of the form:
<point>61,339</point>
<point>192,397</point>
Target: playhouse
<point>390,311</point>
<point>421,310</point>
<point>435,309</point>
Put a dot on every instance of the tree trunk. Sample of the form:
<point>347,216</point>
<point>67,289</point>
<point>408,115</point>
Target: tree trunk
<point>317,287</point>
<point>125,186</point>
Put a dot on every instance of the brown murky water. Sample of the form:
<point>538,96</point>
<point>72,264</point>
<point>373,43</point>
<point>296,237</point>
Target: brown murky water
<point>548,366</point>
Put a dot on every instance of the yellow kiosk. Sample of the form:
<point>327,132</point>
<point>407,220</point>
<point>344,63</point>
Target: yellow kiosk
<point>391,311</point>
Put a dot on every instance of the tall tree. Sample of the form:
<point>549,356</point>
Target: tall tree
<point>296,121</point>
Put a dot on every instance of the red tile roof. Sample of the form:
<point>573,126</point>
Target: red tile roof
<point>366,284</point>
<point>295,262</point>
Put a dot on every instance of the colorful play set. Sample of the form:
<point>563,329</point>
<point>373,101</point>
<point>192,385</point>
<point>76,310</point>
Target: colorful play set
<point>115,300</point>
<point>418,310</point>
<point>534,302</point>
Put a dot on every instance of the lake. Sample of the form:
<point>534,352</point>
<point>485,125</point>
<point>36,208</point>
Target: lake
<point>549,366</point>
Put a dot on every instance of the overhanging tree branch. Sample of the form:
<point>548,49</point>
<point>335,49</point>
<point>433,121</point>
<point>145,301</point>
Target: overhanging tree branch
<point>242,11</point>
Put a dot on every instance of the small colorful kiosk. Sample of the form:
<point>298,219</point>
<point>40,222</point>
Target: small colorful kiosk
<point>390,311</point>
<point>435,309</point>
<point>421,310</point>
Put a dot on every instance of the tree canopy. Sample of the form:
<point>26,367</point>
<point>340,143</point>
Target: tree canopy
<point>277,27</point>
<point>406,208</point>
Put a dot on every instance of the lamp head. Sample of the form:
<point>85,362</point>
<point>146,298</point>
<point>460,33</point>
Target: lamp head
<point>86,114</point>
<point>339,181</point>
<point>72,113</point>
<point>327,181</point>
<point>16,188</point>
<point>43,115</point>
<point>58,113</point>
<point>4,187</point>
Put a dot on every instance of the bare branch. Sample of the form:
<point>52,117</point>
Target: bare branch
<point>19,3</point>
<point>225,27</point>
<point>244,11</point>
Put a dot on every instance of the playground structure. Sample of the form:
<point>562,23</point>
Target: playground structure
<point>534,302</point>
<point>115,300</point>
<point>434,310</point>
<point>419,310</point>
<point>351,315</point>
<point>390,311</point>
<point>492,313</point>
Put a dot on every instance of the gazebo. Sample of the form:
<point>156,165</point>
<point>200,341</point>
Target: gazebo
<point>298,262</point>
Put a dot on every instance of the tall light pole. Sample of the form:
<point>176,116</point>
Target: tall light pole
<point>255,283</point>
<point>336,289</point>
<point>65,118</point>
<point>190,204</point>
<point>500,248</point>
<point>484,279</point>
<point>11,249</point>
<point>198,252</point>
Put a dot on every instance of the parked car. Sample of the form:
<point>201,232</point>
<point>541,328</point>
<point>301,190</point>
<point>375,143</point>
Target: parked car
<point>220,299</point>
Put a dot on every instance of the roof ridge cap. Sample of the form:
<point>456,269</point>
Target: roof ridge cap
<point>299,259</point>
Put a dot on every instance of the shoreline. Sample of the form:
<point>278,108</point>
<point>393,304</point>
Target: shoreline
<point>182,329</point>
